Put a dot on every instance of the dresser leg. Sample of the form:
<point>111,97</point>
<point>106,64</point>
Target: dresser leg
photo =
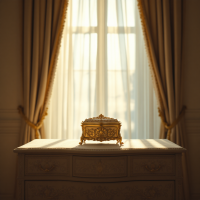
<point>20,178</point>
<point>179,178</point>
<point>179,190</point>
<point>20,192</point>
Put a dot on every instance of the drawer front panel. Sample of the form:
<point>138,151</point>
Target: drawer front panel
<point>45,165</point>
<point>100,166</point>
<point>64,190</point>
<point>156,165</point>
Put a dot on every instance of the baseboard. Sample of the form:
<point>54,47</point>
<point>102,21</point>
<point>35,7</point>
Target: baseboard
<point>195,196</point>
<point>7,196</point>
<point>11,196</point>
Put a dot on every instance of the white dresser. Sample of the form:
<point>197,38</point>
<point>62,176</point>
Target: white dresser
<point>52,169</point>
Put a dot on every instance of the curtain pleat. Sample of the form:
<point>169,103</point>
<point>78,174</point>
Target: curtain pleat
<point>103,69</point>
<point>162,28</point>
<point>43,26</point>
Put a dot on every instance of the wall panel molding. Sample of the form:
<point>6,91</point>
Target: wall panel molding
<point>10,121</point>
<point>191,114</point>
<point>192,121</point>
<point>193,126</point>
<point>9,114</point>
<point>10,126</point>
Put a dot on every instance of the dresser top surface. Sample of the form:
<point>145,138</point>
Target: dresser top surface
<point>133,145</point>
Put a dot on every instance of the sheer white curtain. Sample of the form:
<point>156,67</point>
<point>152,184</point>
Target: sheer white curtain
<point>103,69</point>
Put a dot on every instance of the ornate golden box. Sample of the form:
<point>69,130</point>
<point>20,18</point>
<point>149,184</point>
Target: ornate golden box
<point>101,129</point>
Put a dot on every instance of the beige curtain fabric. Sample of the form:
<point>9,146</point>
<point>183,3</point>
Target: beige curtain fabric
<point>162,28</point>
<point>43,27</point>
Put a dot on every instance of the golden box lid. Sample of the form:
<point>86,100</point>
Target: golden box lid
<point>101,128</point>
<point>101,119</point>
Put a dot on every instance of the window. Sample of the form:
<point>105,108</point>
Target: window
<point>102,69</point>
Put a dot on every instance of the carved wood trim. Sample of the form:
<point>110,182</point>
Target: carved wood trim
<point>152,164</point>
<point>100,166</point>
<point>60,190</point>
<point>45,165</point>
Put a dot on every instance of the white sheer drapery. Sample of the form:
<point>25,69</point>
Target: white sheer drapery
<point>103,69</point>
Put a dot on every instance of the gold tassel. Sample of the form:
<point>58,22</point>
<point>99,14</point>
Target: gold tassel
<point>37,126</point>
<point>176,121</point>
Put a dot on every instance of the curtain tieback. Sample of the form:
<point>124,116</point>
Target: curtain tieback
<point>37,126</point>
<point>176,121</point>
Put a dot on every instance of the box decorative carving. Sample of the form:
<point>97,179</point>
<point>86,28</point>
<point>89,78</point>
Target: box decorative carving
<point>101,128</point>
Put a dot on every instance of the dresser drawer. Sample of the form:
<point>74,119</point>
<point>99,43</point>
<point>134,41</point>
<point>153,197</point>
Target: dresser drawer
<point>45,165</point>
<point>156,165</point>
<point>100,166</point>
<point>64,190</point>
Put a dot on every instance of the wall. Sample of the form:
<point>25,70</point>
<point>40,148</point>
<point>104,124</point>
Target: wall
<point>11,90</point>
<point>191,64</point>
